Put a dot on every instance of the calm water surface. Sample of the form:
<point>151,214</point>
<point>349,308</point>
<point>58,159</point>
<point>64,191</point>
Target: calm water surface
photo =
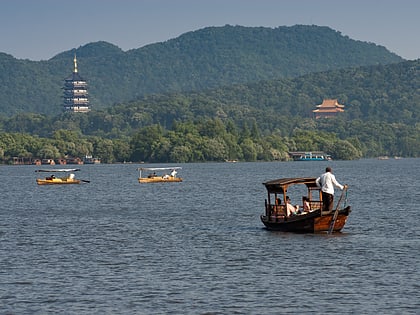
<point>115,246</point>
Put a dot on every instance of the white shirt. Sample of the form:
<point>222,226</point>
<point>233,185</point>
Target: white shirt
<point>327,182</point>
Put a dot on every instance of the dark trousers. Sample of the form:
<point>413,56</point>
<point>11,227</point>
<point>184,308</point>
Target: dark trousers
<point>327,201</point>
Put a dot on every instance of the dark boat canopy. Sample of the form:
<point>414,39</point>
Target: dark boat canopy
<point>280,185</point>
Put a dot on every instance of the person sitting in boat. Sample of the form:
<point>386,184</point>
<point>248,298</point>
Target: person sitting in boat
<point>151,175</point>
<point>306,204</point>
<point>50,178</point>
<point>166,176</point>
<point>173,173</point>
<point>291,209</point>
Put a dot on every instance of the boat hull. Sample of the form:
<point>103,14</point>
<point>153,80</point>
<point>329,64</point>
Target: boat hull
<point>312,222</point>
<point>159,179</point>
<point>57,181</point>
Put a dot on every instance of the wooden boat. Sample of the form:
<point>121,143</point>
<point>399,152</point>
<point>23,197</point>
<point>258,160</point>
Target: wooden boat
<point>167,175</point>
<point>69,178</point>
<point>313,221</point>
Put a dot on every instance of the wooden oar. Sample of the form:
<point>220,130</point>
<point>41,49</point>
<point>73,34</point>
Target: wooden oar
<point>330,230</point>
<point>85,181</point>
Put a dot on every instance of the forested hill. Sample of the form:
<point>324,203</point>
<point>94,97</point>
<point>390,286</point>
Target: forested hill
<point>207,58</point>
<point>386,94</point>
<point>372,94</point>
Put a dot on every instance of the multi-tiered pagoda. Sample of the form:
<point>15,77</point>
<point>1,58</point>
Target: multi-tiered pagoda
<point>75,92</point>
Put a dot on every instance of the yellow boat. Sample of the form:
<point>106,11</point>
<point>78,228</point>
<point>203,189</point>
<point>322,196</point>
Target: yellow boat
<point>65,180</point>
<point>153,177</point>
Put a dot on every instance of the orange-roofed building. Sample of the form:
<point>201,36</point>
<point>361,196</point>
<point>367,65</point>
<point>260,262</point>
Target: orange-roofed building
<point>328,109</point>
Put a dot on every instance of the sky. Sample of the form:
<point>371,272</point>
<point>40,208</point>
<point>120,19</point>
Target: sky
<point>40,29</point>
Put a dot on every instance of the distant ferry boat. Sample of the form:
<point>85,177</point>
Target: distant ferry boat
<point>88,159</point>
<point>310,156</point>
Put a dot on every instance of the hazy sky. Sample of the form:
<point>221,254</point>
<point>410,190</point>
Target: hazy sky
<point>40,29</point>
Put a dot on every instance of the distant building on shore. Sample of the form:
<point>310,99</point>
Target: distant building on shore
<point>75,92</point>
<point>328,109</point>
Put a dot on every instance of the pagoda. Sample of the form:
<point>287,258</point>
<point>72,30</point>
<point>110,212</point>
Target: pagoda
<point>328,109</point>
<point>75,92</point>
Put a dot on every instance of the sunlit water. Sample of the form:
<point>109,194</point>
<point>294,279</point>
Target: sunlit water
<point>115,246</point>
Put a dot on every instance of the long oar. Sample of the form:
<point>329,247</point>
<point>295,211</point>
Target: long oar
<point>330,230</point>
<point>85,181</point>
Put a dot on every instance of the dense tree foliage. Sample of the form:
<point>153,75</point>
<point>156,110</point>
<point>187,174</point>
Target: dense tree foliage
<point>261,121</point>
<point>200,141</point>
<point>248,122</point>
<point>204,59</point>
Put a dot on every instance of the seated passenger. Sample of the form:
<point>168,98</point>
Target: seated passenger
<point>306,204</point>
<point>291,209</point>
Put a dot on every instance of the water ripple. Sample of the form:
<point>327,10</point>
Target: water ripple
<point>198,247</point>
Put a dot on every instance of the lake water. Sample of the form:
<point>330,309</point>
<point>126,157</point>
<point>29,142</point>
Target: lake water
<point>115,246</point>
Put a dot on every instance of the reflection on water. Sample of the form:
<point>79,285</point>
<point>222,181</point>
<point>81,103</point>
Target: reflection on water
<point>115,246</point>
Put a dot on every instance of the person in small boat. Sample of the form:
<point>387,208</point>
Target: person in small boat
<point>151,175</point>
<point>306,204</point>
<point>51,177</point>
<point>326,182</point>
<point>290,209</point>
<point>173,173</point>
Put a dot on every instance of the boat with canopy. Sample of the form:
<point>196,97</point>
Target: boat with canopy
<point>68,178</point>
<point>308,218</point>
<point>159,174</point>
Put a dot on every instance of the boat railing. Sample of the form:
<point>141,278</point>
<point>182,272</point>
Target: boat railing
<point>274,210</point>
<point>280,209</point>
<point>315,204</point>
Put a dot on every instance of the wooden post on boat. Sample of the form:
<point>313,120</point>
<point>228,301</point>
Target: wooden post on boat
<point>331,229</point>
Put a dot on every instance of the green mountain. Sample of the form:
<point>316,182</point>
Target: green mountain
<point>204,59</point>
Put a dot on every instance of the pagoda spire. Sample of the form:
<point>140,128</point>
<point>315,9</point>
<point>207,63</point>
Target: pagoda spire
<point>75,63</point>
<point>75,92</point>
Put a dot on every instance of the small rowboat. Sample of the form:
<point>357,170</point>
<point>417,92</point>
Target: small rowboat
<point>311,220</point>
<point>164,175</point>
<point>64,180</point>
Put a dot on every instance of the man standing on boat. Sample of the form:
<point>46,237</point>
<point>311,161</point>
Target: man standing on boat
<point>327,182</point>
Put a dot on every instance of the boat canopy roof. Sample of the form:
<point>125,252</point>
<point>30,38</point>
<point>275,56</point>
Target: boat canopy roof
<point>280,185</point>
<point>158,168</point>
<point>59,170</point>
